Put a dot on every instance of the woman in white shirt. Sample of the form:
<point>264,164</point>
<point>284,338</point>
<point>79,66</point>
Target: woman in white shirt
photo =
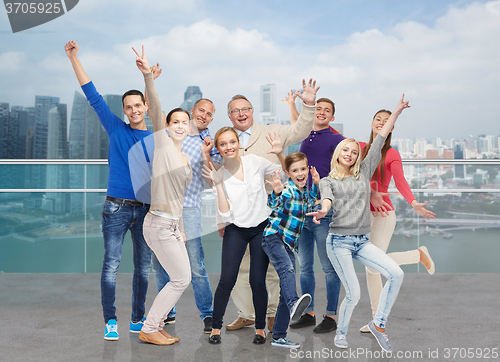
<point>242,202</point>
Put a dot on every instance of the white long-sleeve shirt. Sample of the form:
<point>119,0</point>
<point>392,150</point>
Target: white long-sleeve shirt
<point>248,198</point>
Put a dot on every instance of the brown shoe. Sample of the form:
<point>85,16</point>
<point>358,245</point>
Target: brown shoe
<point>270,324</point>
<point>239,323</point>
<point>176,339</point>
<point>155,338</point>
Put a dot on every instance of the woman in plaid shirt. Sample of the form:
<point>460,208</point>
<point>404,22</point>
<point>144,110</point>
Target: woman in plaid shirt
<point>289,204</point>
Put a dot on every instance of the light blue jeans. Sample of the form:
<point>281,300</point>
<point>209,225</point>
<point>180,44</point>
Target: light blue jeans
<point>341,250</point>
<point>191,217</point>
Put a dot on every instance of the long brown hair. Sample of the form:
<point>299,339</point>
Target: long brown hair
<point>385,148</point>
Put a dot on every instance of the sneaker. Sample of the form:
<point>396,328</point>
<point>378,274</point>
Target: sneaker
<point>135,327</point>
<point>239,323</point>
<point>300,306</point>
<point>381,337</point>
<point>340,341</point>
<point>327,325</point>
<point>283,342</point>
<point>305,320</point>
<point>364,329</point>
<point>208,325</point>
<point>111,330</point>
<point>169,320</point>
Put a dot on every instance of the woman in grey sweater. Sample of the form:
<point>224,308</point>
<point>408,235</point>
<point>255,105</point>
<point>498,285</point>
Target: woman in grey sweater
<point>347,191</point>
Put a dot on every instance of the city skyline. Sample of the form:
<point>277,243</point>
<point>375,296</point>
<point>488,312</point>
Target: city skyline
<point>85,138</point>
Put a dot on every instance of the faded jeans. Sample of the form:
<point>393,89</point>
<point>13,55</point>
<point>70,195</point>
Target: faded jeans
<point>342,249</point>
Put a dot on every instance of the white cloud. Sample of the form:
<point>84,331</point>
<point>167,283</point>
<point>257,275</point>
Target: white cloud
<point>450,71</point>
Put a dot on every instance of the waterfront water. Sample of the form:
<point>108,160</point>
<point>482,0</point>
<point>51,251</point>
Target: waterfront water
<point>466,252</point>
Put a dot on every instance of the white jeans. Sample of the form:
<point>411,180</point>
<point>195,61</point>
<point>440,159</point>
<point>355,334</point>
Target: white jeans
<point>164,238</point>
<point>382,230</point>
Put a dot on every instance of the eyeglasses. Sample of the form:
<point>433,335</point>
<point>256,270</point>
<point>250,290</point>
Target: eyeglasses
<point>244,110</point>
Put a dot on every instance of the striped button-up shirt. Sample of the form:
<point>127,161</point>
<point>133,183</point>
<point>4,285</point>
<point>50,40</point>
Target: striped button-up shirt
<point>191,145</point>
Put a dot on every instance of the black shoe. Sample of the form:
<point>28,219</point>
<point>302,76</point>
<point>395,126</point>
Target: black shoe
<point>327,325</point>
<point>169,320</point>
<point>258,339</point>
<point>208,325</point>
<point>305,320</point>
<point>215,339</point>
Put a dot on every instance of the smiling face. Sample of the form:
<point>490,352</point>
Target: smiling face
<point>324,115</point>
<point>348,155</point>
<point>202,114</point>
<point>134,109</point>
<point>298,172</point>
<point>379,121</point>
<point>227,144</point>
<point>178,126</point>
<point>241,120</point>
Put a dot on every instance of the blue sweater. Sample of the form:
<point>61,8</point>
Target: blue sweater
<point>121,138</point>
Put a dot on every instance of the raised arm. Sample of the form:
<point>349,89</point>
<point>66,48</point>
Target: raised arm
<point>71,49</point>
<point>154,104</point>
<point>301,129</point>
<point>292,108</point>
<point>276,147</point>
<point>156,70</point>
<point>394,116</point>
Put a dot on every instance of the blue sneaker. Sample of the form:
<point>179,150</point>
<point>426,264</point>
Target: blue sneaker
<point>135,327</point>
<point>111,330</point>
<point>381,337</point>
<point>283,342</point>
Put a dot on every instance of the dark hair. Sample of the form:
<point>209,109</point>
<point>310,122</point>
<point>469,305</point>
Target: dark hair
<point>326,100</point>
<point>223,130</point>
<point>204,99</point>
<point>294,157</point>
<point>133,92</point>
<point>385,148</point>
<point>175,110</point>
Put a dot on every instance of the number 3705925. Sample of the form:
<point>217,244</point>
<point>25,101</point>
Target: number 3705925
<point>32,8</point>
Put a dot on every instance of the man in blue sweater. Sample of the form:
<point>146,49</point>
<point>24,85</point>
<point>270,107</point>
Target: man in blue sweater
<point>122,211</point>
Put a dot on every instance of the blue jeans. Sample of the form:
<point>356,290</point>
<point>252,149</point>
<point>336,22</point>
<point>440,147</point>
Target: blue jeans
<point>341,250</point>
<point>191,217</point>
<point>234,245</point>
<point>310,233</point>
<point>116,220</point>
<point>283,259</point>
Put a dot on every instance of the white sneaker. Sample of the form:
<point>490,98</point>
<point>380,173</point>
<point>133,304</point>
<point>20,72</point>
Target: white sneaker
<point>364,329</point>
<point>300,306</point>
<point>340,341</point>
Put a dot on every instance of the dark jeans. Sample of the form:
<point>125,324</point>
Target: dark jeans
<point>283,259</point>
<point>116,220</point>
<point>234,244</point>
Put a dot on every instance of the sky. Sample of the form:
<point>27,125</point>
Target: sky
<point>443,55</point>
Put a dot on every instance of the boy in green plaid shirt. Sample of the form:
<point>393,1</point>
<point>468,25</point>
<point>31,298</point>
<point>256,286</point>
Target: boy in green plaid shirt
<point>289,203</point>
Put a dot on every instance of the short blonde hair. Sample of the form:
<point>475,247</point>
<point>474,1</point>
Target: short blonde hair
<point>337,172</point>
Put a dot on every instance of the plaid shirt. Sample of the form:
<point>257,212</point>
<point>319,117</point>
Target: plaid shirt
<point>192,146</point>
<point>289,212</point>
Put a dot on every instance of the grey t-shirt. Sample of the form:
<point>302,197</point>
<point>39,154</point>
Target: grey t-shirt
<point>350,197</point>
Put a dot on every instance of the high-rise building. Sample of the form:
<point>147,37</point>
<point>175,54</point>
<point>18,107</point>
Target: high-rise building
<point>191,95</point>
<point>57,138</point>
<point>268,104</point>
<point>43,104</point>
<point>77,127</point>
